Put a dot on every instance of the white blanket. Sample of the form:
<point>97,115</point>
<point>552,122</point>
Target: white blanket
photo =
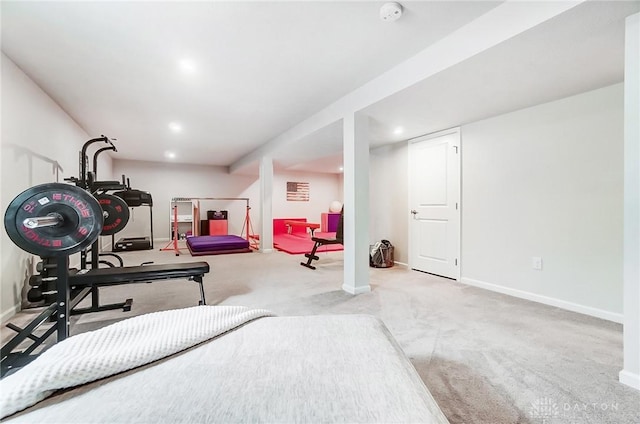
<point>116,348</point>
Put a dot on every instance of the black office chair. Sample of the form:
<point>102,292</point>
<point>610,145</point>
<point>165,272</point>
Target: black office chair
<point>321,242</point>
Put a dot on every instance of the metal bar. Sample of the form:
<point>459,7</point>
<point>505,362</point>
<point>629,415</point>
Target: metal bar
<point>19,329</point>
<point>95,158</point>
<point>182,199</point>
<point>198,279</point>
<point>62,298</point>
<point>27,331</point>
<point>43,221</point>
<point>83,158</point>
<point>38,342</point>
<point>79,297</point>
<point>150,224</point>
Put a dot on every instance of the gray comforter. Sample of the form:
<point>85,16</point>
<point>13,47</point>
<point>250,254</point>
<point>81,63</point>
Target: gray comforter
<point>313,369</point>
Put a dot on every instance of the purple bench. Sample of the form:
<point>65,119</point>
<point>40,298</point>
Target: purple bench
<point>217,245</point>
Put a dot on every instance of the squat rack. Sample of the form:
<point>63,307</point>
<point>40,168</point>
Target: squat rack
<point>250,236</point>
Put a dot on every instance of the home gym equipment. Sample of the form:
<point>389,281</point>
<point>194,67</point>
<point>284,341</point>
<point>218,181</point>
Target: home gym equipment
<point>291,223</point>
<point>321,242</point>
<point>217,245</point>
<point>55,221</point>
<point>43,285</point>
<point>246,232</point>
<point>295,239</point>
<point>115,212</point>
<point>135,198</point>
<point>132,243</point>
<point>49,220</point>
<point>86,179</point>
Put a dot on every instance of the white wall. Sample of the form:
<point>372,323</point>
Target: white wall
<point>544,181</point>
<point>630,375</point>
<point>547,181</point>
<point>35,133</point>
<point>389,203</point>
<point>323,189</point>
<point>167,180</point>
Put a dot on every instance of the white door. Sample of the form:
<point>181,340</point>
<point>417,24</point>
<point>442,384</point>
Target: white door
<point>434,203</point>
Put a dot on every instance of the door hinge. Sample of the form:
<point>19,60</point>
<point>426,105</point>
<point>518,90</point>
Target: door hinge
<point>456,205</point>
<point>456,261</point>
<point>456,147</point>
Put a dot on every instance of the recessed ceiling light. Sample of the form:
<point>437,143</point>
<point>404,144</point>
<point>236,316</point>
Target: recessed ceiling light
<point>169,155</point>
<point>187,66</point>
<point>175,127</point>
<point>398,131</point>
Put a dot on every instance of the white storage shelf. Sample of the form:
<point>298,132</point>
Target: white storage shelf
<point>186,209</point>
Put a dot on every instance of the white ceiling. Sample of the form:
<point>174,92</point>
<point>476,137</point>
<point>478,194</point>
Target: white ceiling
<point>260,67</point>
<point>577,51</point>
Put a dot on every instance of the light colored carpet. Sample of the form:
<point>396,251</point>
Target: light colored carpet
<point>485,357</point>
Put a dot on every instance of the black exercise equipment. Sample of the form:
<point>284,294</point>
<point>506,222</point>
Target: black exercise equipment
<point>46,264</point>
<point>133,243</point>
<point>54,221</point>
<point>192,271</point>
<point>135,198</point>
<point>115,212</point>
<point>321,242</point>
<point>86,180</point>
<point>49,220</point>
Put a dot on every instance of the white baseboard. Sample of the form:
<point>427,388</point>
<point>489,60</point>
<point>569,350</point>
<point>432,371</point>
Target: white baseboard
<point>356,290</point>
<point>630,379</point>
<point>401,264</point>
<point>9,313</point>
<point>558,303</point>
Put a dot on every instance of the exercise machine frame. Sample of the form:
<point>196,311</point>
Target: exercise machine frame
<point>250,236</point>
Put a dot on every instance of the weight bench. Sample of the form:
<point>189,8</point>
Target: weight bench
<point>88,281</point>
<point>321,242</point>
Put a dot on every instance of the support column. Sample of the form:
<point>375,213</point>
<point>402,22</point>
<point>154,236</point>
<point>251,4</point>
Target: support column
<point>356,203</point>
<point>630,375</point>
<point>266,204</point>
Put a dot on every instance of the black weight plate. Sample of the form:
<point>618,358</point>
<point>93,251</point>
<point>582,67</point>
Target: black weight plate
<point>41,266</point>
<point>81,219</point>
<point>116,213</point>
<point>35,295</point>
<point>35,280</point>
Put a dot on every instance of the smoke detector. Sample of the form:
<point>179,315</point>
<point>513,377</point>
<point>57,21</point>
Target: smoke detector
<point>390,12</point>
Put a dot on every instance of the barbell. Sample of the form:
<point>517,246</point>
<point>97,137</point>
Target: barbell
<point>53,219</point>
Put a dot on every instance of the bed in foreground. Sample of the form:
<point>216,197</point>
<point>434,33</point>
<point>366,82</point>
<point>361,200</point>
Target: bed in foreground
<point>345,368</point>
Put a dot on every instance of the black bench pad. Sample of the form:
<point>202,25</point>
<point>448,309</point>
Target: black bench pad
<point>131,274</point>
<point>326,241</point>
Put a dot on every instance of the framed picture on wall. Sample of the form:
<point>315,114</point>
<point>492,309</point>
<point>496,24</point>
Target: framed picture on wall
<point>297,192</point>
